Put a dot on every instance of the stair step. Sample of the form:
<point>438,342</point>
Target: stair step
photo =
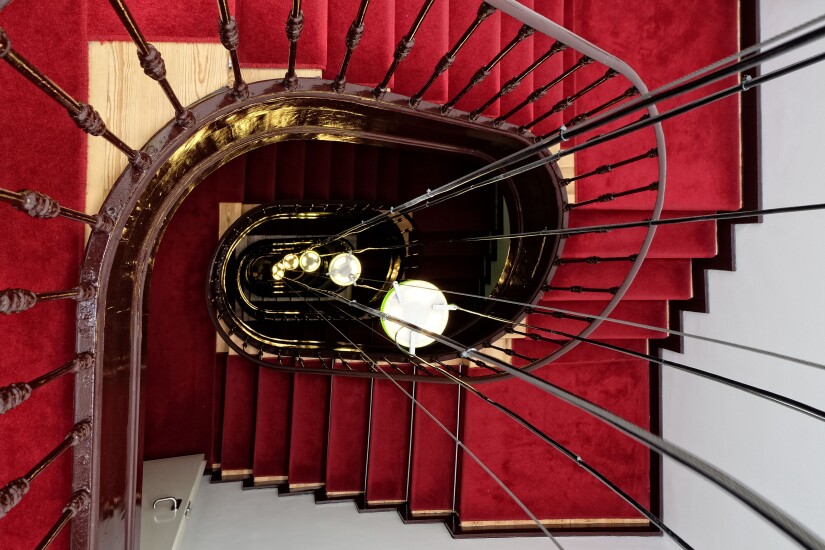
<point>647,312</point>
<point>366,173</point>
<point>272,422</point>
<point>318,170</point>
<point>239,418</point>
<point>308,429</point>
<point>581,354</point>
<point>350,402</point>
<point>289,176</point>
<point>261,46</point>
<point>232,176</point>
<point>656,280</point>
<point>691,240</point>
<point>515,452</point>
<point>389,443</point>
<point>342,180</point>
<point>213,455</point>
<point>433,456</point>
<point>261,172</point>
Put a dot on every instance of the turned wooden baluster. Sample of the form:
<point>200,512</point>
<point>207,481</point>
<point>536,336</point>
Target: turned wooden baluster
<point>568,101</point>
<point>484,11</point>
<point>513,83</point>
<point>607,168</point>
<point>354,34</point>
<point>38,205</point>
<point>540,92</point>
<point>594,260</point>
<point>523,33</point>
<point>402,50</point>
<point>79,501</point>
<point>607,197</point>
<point>16,489</point>
<point>630,92</point>
<point>152,63</point>
<point>13,395</point>
<point>15,300</point>
<point>229,38</point>
<point>294,26</point>
<point>86,118</point>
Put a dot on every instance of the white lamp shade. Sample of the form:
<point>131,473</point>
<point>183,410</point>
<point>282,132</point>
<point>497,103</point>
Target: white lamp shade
<point>413,302</point>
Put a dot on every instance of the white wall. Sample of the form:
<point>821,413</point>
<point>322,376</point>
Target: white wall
<point>774,300</point>
<point>223,517</point>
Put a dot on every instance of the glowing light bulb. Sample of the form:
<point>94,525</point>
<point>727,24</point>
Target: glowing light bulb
<point>291,261</point>
<point>419,303</point>
<point>310,261</point>
<point>344,269</point>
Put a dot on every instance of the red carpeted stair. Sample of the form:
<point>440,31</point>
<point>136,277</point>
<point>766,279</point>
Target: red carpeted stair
<point>345,435</point>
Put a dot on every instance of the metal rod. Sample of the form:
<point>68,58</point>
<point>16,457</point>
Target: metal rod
<point>568,232</point>
<point>402,50</point>
<point>753,390</point>
<point>642,103</point>
<point>455,438</point>
<point>781,520</point>
<point>354,34</point>
<point>463,384</point>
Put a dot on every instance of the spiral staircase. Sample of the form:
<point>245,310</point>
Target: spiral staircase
<point>400,102</point>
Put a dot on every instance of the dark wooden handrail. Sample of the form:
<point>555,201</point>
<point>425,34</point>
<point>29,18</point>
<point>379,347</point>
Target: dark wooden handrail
<point>84,115</point>
<point>79,501</point>
<point>152,63</point>
<point>39,205</point>
<point>523,33</point>
<point>513,83</point>
<point>402,50</point>
<point>354,34</point>
<point>294,26</point>
<point>229,39</point>
<point>485,10</point>
<point>14,394</point>
<point>15,490</point>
